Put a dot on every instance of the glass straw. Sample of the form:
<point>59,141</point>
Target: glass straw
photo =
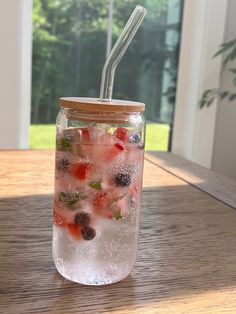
<point>118,51</point>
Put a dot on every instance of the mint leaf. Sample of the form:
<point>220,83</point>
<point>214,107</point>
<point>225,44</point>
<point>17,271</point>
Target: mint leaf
<point>64,144</point>
<point>95,185</point>
<point>115,200</point>
<point>118,215</point>
<point>70,199</point>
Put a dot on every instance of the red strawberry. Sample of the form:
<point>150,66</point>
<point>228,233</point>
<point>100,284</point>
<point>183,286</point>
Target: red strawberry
<point>122,134</point>
<point>102,203</point>
<point>75,231</point>
<point>119,146</point>
<point>115,151</point>
<point>81,170</point>
<point>85,135</point>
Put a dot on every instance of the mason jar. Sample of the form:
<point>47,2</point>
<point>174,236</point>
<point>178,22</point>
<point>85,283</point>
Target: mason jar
<point>98,185</point>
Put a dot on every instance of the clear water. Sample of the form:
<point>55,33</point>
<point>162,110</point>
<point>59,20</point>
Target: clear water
<point>112,207</point>
<point>106,259</point>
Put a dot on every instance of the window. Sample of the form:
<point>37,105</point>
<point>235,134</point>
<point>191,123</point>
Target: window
<point>70,39</point>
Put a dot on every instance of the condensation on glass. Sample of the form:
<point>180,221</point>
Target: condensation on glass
<point>98,184</point>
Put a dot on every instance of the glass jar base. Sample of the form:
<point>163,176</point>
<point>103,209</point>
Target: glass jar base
<point>91,281</point>
<point>89,262</point>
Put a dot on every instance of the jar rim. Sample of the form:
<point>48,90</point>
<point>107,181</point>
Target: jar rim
<point>93,105</point>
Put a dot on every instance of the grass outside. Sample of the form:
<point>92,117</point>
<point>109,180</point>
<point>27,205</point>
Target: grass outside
<point>42,136</point>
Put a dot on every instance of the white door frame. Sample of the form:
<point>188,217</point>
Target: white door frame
<point>202,33</point>
<point>15,80</point>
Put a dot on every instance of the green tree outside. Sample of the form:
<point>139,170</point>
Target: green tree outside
<point>69,47</point>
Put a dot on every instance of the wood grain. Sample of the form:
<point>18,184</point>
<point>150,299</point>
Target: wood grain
<point>98,106</point>
<point>187,252</point>
<point>222,188</point>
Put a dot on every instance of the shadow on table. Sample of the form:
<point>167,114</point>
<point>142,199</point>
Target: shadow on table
<point>187,246</point>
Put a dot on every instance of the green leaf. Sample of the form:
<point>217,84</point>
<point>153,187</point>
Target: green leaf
<point>233,54</point>
<point>232,70</point>
<point>225,47</point>
<point>234,81</point>
<point>118,215</point>
<point>206,92</point>
<point>95,185</point>
<point>64,144</point>
<point>232,97</point>
<point>202,103</point>
<point>223,95</point>
<point>209,102</point>
<point>70,199</point>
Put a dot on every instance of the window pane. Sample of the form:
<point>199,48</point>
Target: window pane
<point>69,50</point>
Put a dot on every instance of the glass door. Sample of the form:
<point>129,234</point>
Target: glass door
<point>70,42</point>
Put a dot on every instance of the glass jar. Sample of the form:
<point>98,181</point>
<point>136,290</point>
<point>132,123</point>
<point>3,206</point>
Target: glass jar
<point>98,184</point>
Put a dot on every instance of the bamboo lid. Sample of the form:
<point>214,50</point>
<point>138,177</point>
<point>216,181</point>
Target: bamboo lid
<point>95,105</point>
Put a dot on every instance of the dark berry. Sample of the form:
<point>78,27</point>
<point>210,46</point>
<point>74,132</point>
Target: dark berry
<point>135,138</point>
<point>82,219</point>
<point>122,179</point>
<point>88,233</point>
<point>62,164</point>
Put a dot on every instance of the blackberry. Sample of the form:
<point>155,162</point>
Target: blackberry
<point>82,219</point>
<point>122,179</point>
<point>135,138</point>
<point>62,164</point>
<point>88,233</point>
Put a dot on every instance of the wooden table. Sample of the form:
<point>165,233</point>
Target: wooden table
<point>187,252</point>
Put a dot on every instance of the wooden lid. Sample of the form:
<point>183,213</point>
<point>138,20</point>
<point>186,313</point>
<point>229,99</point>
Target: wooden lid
<point>95,105</point>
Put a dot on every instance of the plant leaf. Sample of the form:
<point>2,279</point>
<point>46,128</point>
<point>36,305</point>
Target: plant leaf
<point>232,70</point>
<point>234,80</point>
<point>70,199</point>
<point>202,103</point>
<point>64,144</point>
<point>210,101</point>
<point>118,215</point>
<point>223,95</point>
<point>232,97</point>
<point>95,185</point>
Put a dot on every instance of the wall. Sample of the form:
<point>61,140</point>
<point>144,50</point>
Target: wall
<point>15,78</point>
<point>224,153</point>
<point>202,33</point>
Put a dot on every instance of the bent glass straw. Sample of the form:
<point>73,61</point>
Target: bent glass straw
<point>118,51</point>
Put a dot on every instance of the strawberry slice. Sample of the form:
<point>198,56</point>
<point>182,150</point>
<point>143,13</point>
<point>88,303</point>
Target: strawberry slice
<point>85,135</point>
<point>102,203</point>
<point>122,134</point>
<point>75,231</point>
<point>119,146</point>
<point>115,151</point>
<point>81,171</point>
